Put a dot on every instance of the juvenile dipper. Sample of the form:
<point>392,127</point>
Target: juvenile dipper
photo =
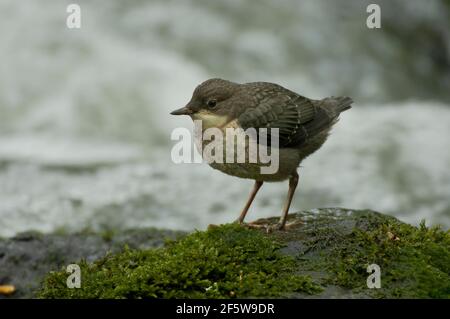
<point>303,126</point>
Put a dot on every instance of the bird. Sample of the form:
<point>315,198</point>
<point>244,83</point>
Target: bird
<point>303,125</point>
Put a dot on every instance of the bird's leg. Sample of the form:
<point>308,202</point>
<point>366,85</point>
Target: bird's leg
<point>255,190</point>
<point>293,182</point>
<point>281,225</point>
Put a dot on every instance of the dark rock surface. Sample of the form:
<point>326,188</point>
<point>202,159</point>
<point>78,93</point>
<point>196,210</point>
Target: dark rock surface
<point>332,246</point>
<point>27,257</point>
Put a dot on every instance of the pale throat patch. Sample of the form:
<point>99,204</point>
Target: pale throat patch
<point>210,119</point>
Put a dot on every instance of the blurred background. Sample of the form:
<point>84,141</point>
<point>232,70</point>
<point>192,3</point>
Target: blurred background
<point>85,125</point>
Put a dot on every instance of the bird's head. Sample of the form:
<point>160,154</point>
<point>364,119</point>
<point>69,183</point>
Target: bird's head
<point>211,103</point>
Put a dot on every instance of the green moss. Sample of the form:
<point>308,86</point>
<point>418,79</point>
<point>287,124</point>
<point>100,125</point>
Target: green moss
<point>414,261</point>
<point>333,248</point>
<point>223,262</point>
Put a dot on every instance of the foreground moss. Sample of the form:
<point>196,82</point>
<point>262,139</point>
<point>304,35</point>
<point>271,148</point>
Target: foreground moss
<point>223,262</point>
<point>414,261</point>
<point>332,249</point>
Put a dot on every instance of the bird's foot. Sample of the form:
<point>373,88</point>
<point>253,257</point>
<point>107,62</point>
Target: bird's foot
<point>273,227</point>
<point>268,228</point>
<point>293,224</point>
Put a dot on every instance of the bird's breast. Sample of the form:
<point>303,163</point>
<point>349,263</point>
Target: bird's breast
<point>235,152</point>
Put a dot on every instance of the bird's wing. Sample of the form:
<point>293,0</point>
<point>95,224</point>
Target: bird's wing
<point>297,117</point>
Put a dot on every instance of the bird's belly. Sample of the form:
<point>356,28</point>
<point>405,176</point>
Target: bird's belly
<point>287,161</point>
<point>243,170</point>
<point>243,160</point>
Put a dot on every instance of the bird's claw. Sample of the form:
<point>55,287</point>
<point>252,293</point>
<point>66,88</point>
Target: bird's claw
<point>272,227</point>
<point>255,226</point>
<point>267,227</point>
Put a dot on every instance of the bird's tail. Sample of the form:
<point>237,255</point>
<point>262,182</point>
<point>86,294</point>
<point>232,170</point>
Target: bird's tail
<point>342,103</point>
<point>336,105</point>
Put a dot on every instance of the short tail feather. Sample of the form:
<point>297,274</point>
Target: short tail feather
<point>342,103</point>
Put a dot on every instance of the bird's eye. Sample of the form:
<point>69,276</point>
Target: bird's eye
<point>211,103</point>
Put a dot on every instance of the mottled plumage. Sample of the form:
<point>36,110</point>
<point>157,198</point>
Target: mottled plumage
<point>298,118</point>
<point>303,124</point>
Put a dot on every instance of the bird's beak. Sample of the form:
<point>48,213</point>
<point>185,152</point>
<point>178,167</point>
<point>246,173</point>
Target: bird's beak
<point>183,111</point>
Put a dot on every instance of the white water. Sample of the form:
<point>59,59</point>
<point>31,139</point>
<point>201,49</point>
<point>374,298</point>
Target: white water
<point>85,130</point>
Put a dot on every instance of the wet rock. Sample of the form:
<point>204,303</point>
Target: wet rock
<point>27,257</point>
<point>326,254</point>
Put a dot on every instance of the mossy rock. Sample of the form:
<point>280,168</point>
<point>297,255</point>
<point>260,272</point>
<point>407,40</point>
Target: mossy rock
<point>26,258</point>
<point>326,257</point>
